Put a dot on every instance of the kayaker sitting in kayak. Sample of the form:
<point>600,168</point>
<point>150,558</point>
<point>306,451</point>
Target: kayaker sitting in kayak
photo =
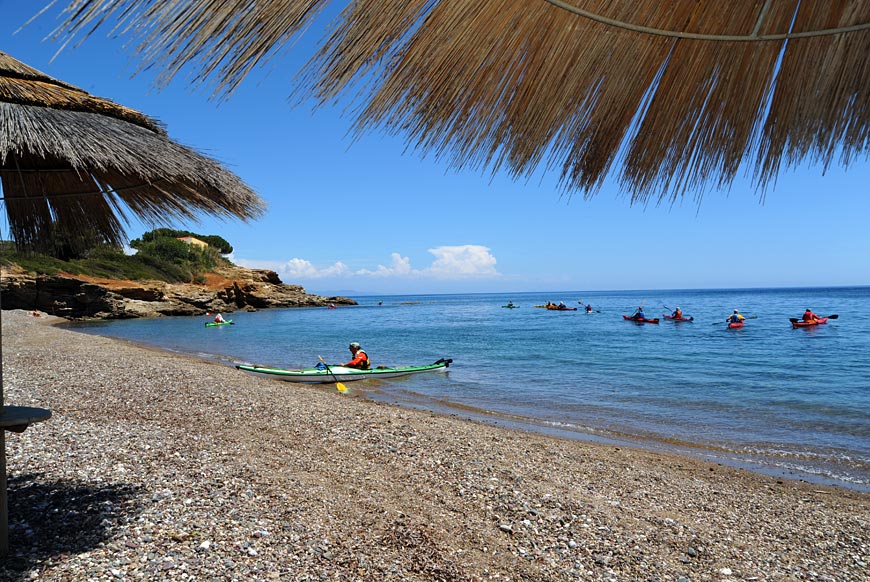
<point>735,317</point>
<point>588,308</point>
<point>219,318</point>
<point>639,313</point>
<point>678,313</point>
<point>360,358</point>
<point>809,316</point>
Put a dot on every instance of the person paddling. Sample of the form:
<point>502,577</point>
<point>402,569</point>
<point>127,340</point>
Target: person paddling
<point>735,317</point>
<point>360,359</point>
<point>219,318</point>
<point>588,308</point>
<point>809,316</point>
<point>639,314</point>
<point>678,313</point>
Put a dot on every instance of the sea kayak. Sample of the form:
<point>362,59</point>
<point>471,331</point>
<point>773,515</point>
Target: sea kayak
<point>630,318</point>
<point>342,374</point>
<point>672,318</point>
<point>796,324</point>
<point>218,323</point>
<point>735,325</point>
<point>556,308</point>
<point>511,306</point>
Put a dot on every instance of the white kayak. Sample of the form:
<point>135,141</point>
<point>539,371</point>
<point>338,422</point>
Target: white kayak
<point>342,374</point>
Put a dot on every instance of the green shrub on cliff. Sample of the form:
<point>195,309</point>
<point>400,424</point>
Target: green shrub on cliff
<point>213,240</point>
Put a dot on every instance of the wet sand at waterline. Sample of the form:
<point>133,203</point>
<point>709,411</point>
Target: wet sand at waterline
<point>159,466</point>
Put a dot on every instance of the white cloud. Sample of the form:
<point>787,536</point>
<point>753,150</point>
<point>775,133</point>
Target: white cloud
<point>400,266</point>
<point>462,261</point>
<point>451,262</point>
<point>305,269</point>
<point>296,268</point>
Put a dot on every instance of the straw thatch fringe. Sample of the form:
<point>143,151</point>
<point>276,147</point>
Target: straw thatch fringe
<point>517,84</point>
<point>71,164</point>
<point>46,155</point>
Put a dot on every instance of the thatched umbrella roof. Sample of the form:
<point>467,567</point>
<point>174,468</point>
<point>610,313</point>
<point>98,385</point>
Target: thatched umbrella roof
<point>68,158</point>
<point>668,95</point>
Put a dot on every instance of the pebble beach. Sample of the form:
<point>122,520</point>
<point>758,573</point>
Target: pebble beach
<point>156,466</point>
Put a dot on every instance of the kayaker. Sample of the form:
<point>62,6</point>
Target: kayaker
<point>735,317</point>
<point>589,308</point>
<point>360,358</point>
<point>639,313</point>
<point>562,305</point>
<point>219,318</point>
<point>510,303</point>
<point>810,316</point>
<point>678,313</point>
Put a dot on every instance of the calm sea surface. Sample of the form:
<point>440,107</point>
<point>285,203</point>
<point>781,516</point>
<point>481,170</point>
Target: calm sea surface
<point>782,401</point>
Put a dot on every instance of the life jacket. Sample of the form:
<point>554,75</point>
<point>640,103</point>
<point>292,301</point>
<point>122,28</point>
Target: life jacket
<point>678,314</point>
<point>365,364</point>
<point>810,316</point>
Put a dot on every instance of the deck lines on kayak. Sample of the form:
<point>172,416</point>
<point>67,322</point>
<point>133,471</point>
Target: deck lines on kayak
<point>341,373</point>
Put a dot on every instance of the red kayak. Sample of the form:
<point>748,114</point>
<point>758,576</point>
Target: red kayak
<point>796,324</point>
<point>672,318</point>
<point>629,318</point>
<point>735,325</point>
<point>562,308</point>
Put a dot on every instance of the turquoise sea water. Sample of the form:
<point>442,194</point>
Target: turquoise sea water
<point>782,401</point>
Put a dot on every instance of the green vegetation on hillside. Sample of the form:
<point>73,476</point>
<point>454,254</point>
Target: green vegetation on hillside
<point>160,256</point>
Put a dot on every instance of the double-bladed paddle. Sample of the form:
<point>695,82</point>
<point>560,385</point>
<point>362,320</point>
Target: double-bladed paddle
<point>338,385</point>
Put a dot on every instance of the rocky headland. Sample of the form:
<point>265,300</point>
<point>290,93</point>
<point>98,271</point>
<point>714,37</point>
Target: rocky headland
<point>228,289</point>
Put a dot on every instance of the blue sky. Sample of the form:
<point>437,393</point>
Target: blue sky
<point>372,216</point>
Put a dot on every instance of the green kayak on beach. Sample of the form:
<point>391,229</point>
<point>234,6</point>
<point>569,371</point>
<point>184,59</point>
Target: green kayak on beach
<point>341,374</point>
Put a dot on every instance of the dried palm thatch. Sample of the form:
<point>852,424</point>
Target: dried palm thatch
<point>670,95</point>
<point>68,158</point>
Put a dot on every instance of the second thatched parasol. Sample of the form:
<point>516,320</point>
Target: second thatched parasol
<point>70,162</point>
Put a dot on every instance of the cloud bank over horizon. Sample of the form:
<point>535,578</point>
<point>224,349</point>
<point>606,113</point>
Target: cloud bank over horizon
<point>449,264</point>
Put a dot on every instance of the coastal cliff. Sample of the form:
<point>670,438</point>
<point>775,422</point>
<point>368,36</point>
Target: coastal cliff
<point>228,289</point>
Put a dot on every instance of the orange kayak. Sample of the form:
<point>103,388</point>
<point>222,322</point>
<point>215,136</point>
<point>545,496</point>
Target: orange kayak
<point>796,324</point>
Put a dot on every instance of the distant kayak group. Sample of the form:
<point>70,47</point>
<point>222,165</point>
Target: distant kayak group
<point>735,320</point>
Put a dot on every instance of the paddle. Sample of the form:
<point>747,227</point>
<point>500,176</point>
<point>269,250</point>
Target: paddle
<point>338,385</point>
<point>795,319</point>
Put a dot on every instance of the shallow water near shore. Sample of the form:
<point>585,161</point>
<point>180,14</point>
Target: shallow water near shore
<point>783,401</point>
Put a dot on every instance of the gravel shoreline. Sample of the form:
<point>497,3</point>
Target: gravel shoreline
<point>156,466</point>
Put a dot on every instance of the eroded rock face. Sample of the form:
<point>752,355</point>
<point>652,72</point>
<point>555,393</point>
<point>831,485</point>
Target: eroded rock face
<point>77,297</point>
